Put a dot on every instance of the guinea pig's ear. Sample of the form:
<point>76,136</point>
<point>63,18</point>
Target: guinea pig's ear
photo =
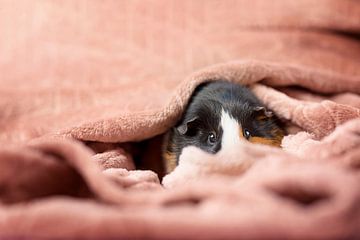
<point>262,112</point>
<point>184,127</point>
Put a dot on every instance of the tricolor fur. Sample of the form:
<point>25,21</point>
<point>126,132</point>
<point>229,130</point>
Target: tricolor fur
<point>218,115</point>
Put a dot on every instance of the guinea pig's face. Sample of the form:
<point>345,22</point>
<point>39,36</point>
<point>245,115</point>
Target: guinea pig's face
<point>218,116</point>
<point>212,126</point>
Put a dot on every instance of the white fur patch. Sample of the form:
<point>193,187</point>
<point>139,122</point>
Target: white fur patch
<point>231,128</point>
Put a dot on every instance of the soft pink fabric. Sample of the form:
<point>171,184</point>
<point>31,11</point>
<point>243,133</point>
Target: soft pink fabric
<point>83,82</point>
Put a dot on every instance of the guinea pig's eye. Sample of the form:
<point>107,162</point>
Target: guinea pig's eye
<point>212,138</point>
<point>247,134</point>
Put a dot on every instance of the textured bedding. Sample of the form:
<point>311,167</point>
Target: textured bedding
<point>87,91</point>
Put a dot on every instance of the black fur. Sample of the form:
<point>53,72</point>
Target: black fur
<point>203,113</point>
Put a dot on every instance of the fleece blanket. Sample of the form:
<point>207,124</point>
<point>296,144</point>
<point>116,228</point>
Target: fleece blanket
<point>89,89</point>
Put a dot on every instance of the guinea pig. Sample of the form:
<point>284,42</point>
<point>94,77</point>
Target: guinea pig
<point>218,111</point>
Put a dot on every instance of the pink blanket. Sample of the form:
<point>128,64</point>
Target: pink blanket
<point>88,89</point>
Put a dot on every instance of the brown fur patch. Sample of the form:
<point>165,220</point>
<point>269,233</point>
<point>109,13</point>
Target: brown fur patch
<point>169,161</point>
<point>169,157</point>
<point>267,141</point>
<point>275,141</point>
<point>261,118</point>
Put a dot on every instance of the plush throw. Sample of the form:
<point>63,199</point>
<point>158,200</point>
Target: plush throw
<point>88,89</point>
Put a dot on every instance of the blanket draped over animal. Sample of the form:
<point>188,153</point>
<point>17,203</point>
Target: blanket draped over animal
<point>88,88</point>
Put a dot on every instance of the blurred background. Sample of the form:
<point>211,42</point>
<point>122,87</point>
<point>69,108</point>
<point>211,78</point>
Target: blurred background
<point>66,57</point>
